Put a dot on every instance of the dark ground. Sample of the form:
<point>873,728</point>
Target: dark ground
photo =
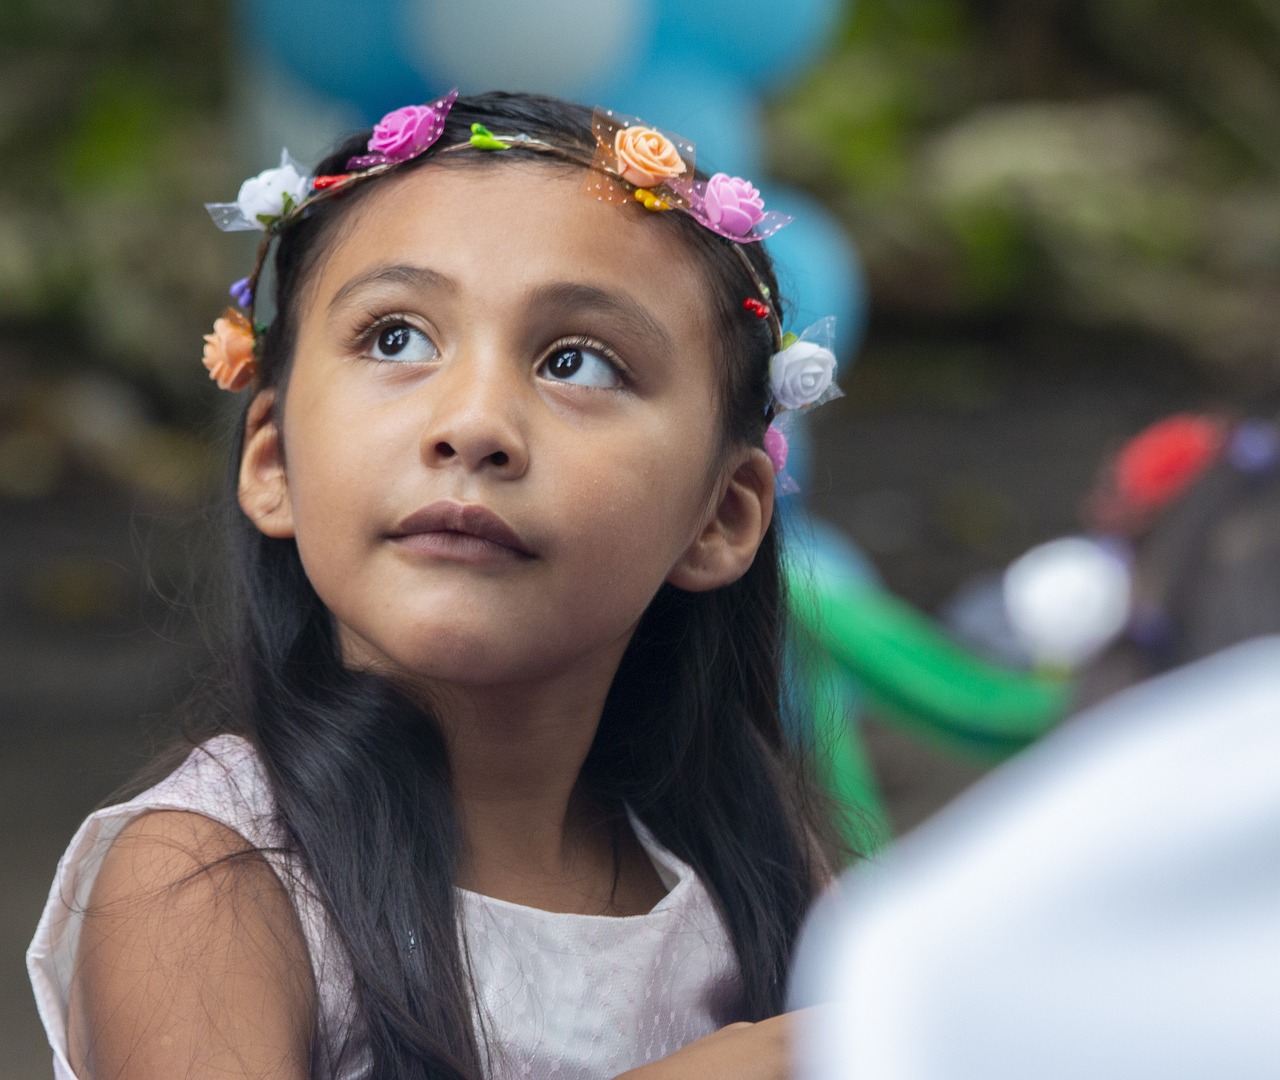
<point>943,462</point>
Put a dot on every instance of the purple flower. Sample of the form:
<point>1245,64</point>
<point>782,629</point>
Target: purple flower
<point>732,204</point>
<point>241,293</point>
<point>405,133</point>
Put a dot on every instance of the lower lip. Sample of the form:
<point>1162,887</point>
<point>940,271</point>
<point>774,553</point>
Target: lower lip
<point>460,547</point>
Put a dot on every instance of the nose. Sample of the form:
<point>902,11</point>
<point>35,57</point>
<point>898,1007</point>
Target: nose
<point>476,418</point>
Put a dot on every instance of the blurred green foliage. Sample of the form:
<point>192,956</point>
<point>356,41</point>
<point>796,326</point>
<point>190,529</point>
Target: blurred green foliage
<point>113,130</point>
<point>1099,162</point>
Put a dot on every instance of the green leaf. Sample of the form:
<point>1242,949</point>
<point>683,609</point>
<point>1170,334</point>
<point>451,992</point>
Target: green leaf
<point>789,339</point>
<point>483,139</point>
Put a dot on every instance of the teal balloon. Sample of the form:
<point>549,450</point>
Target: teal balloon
<point>762,41</point>
<point>566,48</point>
<point>818,268</point>
<point>717,112</point>
<point>349,51</point>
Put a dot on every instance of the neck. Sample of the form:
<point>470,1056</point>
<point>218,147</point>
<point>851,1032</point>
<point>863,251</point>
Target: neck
<point>516,754</point>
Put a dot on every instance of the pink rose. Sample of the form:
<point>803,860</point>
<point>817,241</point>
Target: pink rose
<point>732,204</point>
<point>775,445</point>
<point>406,132</point>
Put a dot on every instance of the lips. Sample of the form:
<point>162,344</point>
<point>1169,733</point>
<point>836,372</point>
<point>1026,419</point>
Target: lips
<point>462,529</point>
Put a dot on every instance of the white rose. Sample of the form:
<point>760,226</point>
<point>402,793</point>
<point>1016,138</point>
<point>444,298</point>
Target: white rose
<point>800,374</point>
<point>269,193</point>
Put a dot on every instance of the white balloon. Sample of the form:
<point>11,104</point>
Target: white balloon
<point>1067,599</point>
<point>560,47</point>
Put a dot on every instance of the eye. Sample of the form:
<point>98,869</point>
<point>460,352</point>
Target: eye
<point>402,343</point>
<point>580,364</point>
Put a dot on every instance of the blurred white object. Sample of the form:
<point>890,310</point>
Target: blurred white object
<point>1106,906</point>
<point>1067,599</point>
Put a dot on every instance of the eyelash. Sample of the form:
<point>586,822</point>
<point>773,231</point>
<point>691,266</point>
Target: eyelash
<point>372,325</point>
<point>581,341</point>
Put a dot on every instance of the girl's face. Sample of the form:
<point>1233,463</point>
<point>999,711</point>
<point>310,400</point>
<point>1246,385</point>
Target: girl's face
<point>501,433</point>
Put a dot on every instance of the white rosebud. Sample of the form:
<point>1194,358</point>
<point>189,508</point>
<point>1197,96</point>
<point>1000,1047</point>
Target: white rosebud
<point>801,373</point>
<point>272,192</point>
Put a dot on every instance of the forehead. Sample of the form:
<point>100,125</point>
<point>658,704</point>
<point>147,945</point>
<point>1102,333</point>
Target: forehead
<point>502,229</point>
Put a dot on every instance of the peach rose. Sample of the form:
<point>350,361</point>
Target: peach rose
<point>646,156</point>
<point>228,351</point>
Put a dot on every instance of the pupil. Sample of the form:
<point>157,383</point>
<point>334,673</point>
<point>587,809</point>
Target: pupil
<point>393,339</point>
<point>566,363</point>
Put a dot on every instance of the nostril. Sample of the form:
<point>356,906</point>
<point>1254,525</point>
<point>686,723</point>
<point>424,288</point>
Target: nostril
<point>444,450</point>
<point>499,458</point>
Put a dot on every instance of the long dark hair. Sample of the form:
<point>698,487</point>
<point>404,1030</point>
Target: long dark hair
<point>691,737</point>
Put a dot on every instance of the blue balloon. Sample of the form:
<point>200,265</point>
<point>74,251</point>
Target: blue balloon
<point>832,556</point>
<point>346,50</point>
<point>763,42</point>
<point>718,113</point>
<point>818,268</point>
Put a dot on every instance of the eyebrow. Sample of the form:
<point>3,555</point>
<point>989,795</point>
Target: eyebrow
<point>633,316</point>
<point>415,277</point>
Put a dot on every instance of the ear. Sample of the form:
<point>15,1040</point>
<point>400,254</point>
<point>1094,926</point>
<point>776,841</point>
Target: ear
<point>725,548</point>
<point>264,488</point>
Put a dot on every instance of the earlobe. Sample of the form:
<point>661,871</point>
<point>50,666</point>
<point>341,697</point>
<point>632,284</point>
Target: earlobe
<point>727,545</point>
<point>264,488</point>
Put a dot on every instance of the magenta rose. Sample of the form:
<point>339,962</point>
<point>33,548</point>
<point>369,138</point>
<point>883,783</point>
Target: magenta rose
<point>405,133</point>
<point>732,204</point>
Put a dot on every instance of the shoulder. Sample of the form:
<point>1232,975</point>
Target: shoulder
<point>174,853</point>
<point>190,957</point>
<point>160,892</point>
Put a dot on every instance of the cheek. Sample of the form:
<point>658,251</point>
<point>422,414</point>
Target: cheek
<point>644,510</point>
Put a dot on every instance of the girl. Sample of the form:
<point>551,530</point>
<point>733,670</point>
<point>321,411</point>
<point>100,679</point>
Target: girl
<point>496,784</point>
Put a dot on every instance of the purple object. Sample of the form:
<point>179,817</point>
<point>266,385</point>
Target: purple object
<point>1151,629</point>
<point>732,208</point>
<point>405,133</point>
<point>241,293</point>
<point>733,204</point>
<point>775,445</point>
<point>1254,446</point>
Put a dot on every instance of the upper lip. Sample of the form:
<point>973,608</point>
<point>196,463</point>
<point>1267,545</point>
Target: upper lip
<point>471,519</point>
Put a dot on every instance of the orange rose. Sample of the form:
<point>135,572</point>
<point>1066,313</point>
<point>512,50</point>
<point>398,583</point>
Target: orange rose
<point>228,351</point>
<point>646,156</point>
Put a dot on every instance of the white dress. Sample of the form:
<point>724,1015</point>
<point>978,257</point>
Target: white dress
<point>577,997</point>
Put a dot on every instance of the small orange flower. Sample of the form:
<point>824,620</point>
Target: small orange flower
<point>646,156</point>
<point>228,351</point>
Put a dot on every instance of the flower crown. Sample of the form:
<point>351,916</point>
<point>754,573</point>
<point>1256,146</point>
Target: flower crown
<point>633,162</point>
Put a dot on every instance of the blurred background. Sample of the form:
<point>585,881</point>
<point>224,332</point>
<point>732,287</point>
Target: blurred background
<point>1044,224</point>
